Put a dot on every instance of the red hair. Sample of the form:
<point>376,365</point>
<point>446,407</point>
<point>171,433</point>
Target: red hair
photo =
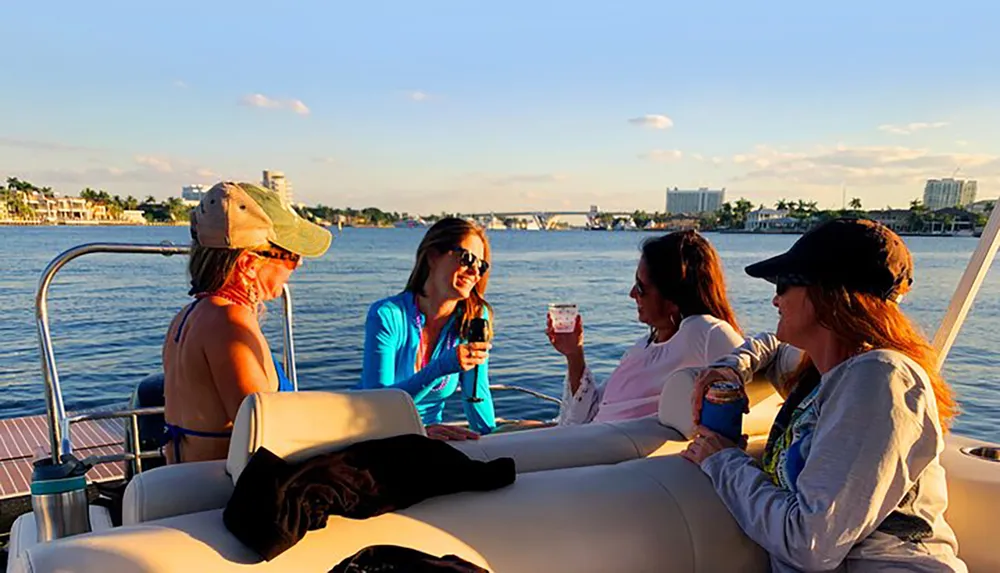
<point>866,322</point>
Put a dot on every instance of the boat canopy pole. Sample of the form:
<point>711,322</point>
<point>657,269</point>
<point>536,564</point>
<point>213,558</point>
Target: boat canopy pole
<point>59,435</point>
<point>968,286</point>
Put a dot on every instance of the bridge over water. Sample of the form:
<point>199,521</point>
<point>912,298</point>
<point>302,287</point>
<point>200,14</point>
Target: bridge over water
<point>546,219</point>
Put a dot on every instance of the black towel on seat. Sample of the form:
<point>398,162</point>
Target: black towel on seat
<point>276,502</point>
<point>396,559</point>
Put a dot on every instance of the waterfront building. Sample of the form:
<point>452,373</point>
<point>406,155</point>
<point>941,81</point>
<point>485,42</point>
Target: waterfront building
<point>702,200</point>
<point>949,192</point>
<point>276,181</point>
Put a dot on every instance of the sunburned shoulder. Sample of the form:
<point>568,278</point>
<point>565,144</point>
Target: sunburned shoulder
<point>222,321</point>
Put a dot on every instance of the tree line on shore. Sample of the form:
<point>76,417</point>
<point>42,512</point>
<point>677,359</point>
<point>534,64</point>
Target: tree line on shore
<point>14,192</point>
<point>731,215</point>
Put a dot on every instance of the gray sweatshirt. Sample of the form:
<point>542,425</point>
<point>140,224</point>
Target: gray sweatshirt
<point>867,444</point>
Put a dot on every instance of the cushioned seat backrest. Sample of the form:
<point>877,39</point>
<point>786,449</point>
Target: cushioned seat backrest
<point>675,404</point>
<point>299,425</point>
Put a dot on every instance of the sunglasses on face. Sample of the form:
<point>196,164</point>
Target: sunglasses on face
<point>640,288</point>
<point>281,256</point>
<point>469,260</point>
<point>781,285</point>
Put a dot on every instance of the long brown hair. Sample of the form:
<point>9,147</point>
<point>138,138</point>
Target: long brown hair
<point>445,235</point>
<point>686,270</point>
<point>867,322</point>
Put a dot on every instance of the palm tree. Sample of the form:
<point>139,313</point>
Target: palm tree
<point>781,205</point>
<point>855,203</point>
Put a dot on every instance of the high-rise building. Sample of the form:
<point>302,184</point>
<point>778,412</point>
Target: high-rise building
<point>944,193</point>
<point>193,192</point>
<point>703,200</point>
<point>967,196</point>
<point>275,180</point>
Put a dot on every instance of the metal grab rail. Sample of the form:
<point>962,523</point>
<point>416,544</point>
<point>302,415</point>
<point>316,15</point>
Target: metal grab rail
<point>522,389</point>
<point>132,414</point>
<point>59,435</point>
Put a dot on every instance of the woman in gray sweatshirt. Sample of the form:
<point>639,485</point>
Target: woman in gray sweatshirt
<point>851,478</point>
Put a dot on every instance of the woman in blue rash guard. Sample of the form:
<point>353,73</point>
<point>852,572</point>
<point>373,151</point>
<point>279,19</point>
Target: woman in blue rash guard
<point>417,340</point>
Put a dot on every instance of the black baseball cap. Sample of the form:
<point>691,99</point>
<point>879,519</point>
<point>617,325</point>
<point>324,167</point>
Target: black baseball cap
<point>857,254</point>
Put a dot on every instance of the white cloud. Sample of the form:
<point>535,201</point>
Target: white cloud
<point>962,143</point>
<point>653,121</point>
<point>155,163</point>
<point>40,145</point>
<point>418,95</point>
<point>298,107</point>
<point>717,161</point>
<point>206,173</point>
<point>525,179</point>
<point>663,155</point>
<point>180,84</point>
<point>148,169</point>
<point>262,101</point>
<point>697,157</point>
<point>325,160</point>
<point>909,128</point>
<point>862,165</point>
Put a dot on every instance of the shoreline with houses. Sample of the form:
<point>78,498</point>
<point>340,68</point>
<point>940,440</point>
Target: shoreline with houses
<point>948,208</point>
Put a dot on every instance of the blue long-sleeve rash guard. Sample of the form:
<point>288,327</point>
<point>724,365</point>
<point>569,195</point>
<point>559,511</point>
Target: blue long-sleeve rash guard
<point>392,338</point>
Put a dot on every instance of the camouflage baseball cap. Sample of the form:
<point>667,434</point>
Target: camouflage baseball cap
<point>243,215</point>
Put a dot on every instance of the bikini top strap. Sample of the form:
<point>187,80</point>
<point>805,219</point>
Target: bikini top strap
<point>180,327</point>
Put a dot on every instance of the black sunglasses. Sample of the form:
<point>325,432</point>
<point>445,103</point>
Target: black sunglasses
<point>640,289</point>
<point>782,284</point>
<point>280,255</point>
<point>467,259</point>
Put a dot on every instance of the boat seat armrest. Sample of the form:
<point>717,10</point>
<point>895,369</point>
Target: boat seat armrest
<point>299,425</point>
<point>675,404</point>
<point>176,489</point>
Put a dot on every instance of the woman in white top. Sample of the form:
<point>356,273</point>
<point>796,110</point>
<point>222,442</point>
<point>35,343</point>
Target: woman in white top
<point>680,293</point>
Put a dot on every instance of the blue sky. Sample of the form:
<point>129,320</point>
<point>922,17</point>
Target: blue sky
<point>474,106</point>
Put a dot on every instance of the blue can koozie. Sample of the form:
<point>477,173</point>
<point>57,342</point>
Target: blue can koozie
<point>722,410</point>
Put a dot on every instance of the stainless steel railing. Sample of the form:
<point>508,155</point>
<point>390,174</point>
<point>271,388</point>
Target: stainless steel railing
<point>523,390</point>
<point>59,435</point>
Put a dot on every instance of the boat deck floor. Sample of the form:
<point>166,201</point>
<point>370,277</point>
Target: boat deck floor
<point>22,440</point>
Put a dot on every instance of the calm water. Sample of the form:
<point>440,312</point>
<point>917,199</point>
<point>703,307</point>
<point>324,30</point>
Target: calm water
<point>109,312</point>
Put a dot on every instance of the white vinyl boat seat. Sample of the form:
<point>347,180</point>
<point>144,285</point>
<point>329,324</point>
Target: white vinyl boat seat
<point>656,514</point>
<point>323,421</point>
<point>300,425</point>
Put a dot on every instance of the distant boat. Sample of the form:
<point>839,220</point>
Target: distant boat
<point>496,224</point>
<point>410,224</point>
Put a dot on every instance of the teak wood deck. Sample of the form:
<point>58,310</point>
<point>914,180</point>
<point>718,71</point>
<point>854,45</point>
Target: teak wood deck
<point>22,440</point>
